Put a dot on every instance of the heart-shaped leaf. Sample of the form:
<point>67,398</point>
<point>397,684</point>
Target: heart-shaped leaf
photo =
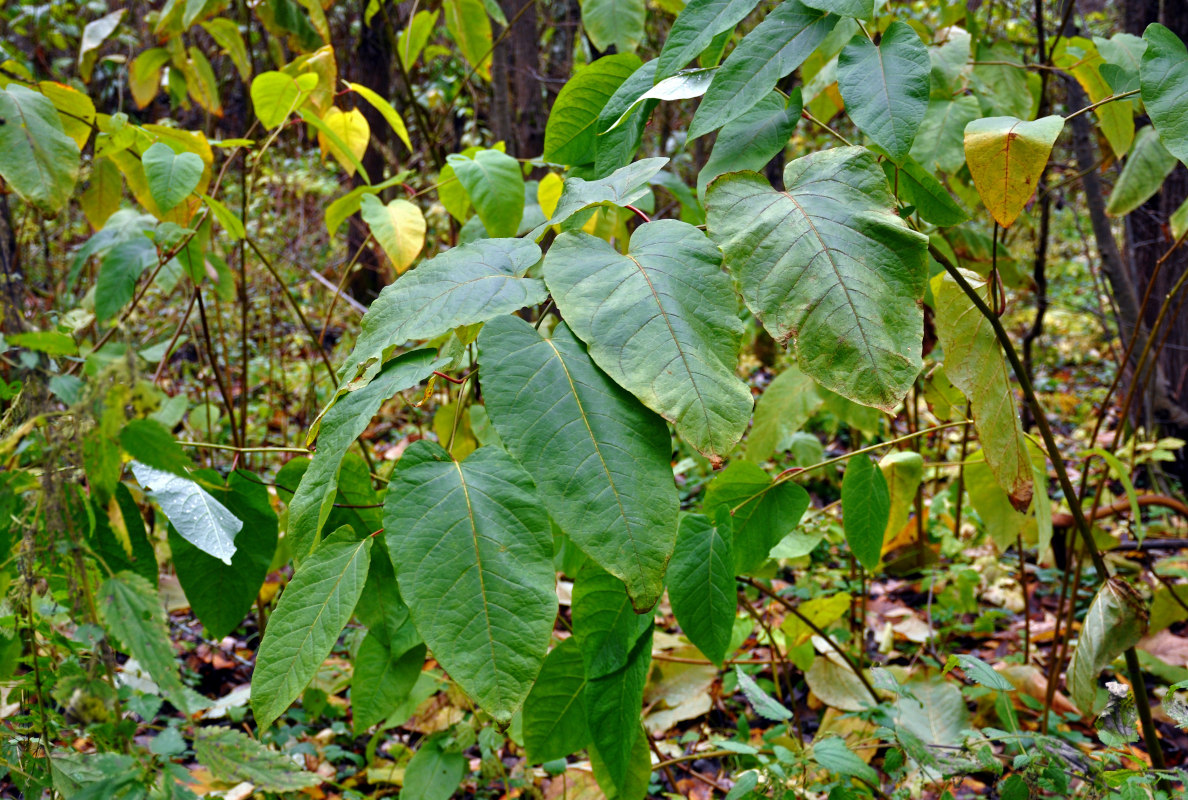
<point>172,177</point>
<point>399,227</point>
<point>1006,157</point>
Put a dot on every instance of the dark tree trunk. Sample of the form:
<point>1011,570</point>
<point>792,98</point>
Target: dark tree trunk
<point>1148,238</point>
<point>371,65</point>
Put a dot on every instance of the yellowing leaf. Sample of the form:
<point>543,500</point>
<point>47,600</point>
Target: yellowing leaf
<point>1006,156</point>
<point>903,470</point>
<point>399,227</point>
<point>548,193</point>
<point>75,110</point>
<point>144,75</point>
<point>470,28</point>
<point>352,129</point>
<point>821,611</point>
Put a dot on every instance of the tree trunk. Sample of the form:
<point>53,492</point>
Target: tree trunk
<point>1148,238</point>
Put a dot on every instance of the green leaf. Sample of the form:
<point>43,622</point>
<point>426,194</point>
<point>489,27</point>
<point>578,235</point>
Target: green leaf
<point>764,705</point>
<point>571,134</point>
<point>614,149</point>
<point>226,34</point>
<point>343,423</point>
<point>382,679</point>
<point>495,185</point>
<point>51,343</point>
<point>1002,522</point>
<point>859,9</point>
<point>661,321</point>
<point>638,776</point>
<point>133,552</point>
<point>919,189</point>
<point>617,23</point>
<point>764,512</point>
<point>827,263</point>
<point>1148,164</point>
<point>975,364</point>
<point>833,754</point>
<point>978,670</point>
<point>474,557</point>
<point>1116,620</point>
<point>695,27</point>
<point>622,187</point>
<point>231,223</point>
<point>777,45</point>
<point>686,84</point>
<point>119,271</point>
<point>1163,79</point>
<point>1006,157</point>
<point>199,518</point>
<point>753,139</point>
<point>469,284</point>
<point>313,610</point>
<point>172,177</point>
<point>886,86</point>
<point>356,505</point>
<point>470,28</point>
<point>222,595</point>
<point>940,141</point>
<point>600,460</point>
<point>37,159</point>
<point>233,757</point>
<point>133,614</point>
<point>555,712</point>
<point>785,406</point>
<point>903,470</point>
<point>604,623</point>
<point>701,582</point>
<point>399,227</point>
<point>613,705</point>
<point>276,95</point>
<point>866,507</point>
<point>382,609</point>
<point>150,443</point>
<point>433,773</point>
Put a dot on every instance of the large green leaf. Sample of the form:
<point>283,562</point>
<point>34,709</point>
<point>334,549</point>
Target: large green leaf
<point>200,519</point>
<point>171,176</point>
<point>1147,166</point>
<point>382,679</point>
<point>784,407</point>
<point>975,365</point>
<point>617,23</point>
<point>604,623</point>
<point>613,704</point>
<point>555,712</point>
<point>866,507</point>
<point>860,9</point>
<point>777,45</point>
<point>695,27</point>
<point>1006,157</point>
<point>940,141</point>
<point>340,426</point>
<point>885,87</point>
<point>828,263</point>
<point>222,594</point>
<point>622,187</point>
<point>572,130</point>
<point>473,551</point>
<point>753,139</point>
<point>356,504</point>
<point>600,460</point>
<point>701,582</point>
<point>382,609</point>
<point>1116,620</point>
<point>495,185</point>
<point>662,322</point>
<point>1163,79</point>
<point>133,615</point>
<point>233,757</point>
<point>468,284</point>
<point>764,512</point>
<point>615,148</point>
<point>638,775</point>
<point>37,159</point>
<point>313,610</point>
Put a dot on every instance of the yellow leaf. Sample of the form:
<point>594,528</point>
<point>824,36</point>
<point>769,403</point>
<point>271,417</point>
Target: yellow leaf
<point>352,129</point>
<point>822,611</point>
<point>1006,157</point>
<point>548,193</point>
<point>399,227</point>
